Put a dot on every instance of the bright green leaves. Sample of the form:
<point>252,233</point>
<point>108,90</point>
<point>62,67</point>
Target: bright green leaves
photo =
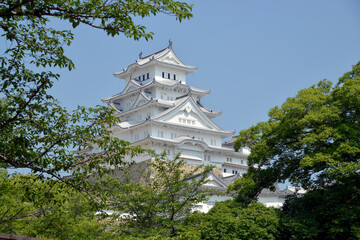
<point>156,195</point>
<point>47,209</point>
<point>228,220</point>
<point>35,131</point>
<point>311,138</point>
<point>114,17</point>
<point>312,141</point>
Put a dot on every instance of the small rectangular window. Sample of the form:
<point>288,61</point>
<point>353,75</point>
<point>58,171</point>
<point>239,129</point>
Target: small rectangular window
<point>168,75</point>
<point>224,169</point>
<point>147,76</point>
<point>144,77</point>
<point>174,77</point>
<point>163,74</point>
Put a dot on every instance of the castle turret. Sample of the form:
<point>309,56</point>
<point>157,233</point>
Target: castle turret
<point>159,110</point>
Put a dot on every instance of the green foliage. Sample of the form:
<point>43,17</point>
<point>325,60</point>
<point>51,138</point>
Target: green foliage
<point>47,209</point>
<point>312,140</point>
<point>36,132</point>
<point>228,220</point>
<point>329,213</point>
<point>246,188</point>
<point>165,193</point>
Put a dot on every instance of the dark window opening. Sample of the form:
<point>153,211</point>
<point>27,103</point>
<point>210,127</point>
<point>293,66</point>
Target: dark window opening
<point>163,74</point>
<point>147,76</point>
<point>224,169</point>
<point>144,77</point>
<point>174,77</point>
<point>168,75</point>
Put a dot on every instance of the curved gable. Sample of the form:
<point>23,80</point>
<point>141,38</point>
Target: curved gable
<point>131,86</point>
<point>187,113</point>
<point>142,99</point>
<point>171,58</point>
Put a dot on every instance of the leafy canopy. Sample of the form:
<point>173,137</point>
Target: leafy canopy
<point>47,209</point>
<point>156,201</point>
<point>313,139</point>
<point>332,212</point>
<point>36,132</point>
<point>229,220</point>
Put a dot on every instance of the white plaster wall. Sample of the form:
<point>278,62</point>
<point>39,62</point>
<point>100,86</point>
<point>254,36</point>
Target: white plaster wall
<point>229,171</point>
<point>235,160</point>
<point>127,103</point>
<point>168,93</point>
<point>144,71</point>
<point>123,134</point>
<point>138,134</point>
<point>275,202</point>
<point>206,206</point>
<point>180,75</point>
<point>188,149</point>
<point>150,92</point>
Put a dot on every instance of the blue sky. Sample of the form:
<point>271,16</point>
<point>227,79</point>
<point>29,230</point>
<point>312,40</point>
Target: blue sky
<point>251,54</point>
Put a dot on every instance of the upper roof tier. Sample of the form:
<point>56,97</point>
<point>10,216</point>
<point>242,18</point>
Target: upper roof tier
<point>133,86</point>
<point>165,57</point>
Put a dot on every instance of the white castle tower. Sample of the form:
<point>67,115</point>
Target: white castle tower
<point>160,111</point>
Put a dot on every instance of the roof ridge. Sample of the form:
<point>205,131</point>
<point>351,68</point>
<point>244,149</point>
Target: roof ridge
<point>155,53</point>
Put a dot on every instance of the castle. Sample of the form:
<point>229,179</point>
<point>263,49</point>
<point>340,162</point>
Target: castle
<point>160,111</point>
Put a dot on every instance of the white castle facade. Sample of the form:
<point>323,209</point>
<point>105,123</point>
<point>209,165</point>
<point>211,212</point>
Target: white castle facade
<point>160,111</point>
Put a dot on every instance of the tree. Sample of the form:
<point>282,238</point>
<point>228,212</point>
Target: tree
<point>332,212</point>
<point>312,140</point>
<point>165,192</point>
<point>48,209</point>
<point>35,131</point>
<point>230,220</point>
